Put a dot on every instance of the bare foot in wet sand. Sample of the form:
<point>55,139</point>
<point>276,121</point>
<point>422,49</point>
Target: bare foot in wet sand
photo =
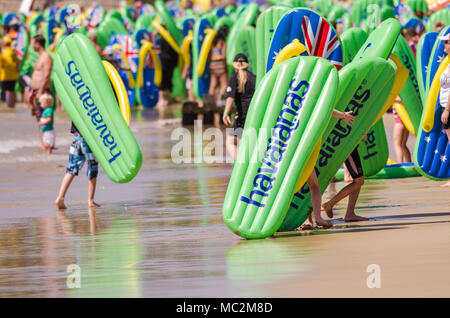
<point>328,209</point>
<point>446,184</point>
<point>324,224</point>
<point>60,204</point>
<point>93,204</point>
<point>355,218</point>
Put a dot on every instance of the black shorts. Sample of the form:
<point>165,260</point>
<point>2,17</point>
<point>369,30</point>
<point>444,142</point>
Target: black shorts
<point>447,125</point>
<point>8,86</point>
<point>168,68</point>
<point>353,164</point>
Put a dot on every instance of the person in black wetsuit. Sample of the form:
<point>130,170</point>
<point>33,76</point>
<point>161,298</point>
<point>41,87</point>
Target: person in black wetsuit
<point>240,90</point>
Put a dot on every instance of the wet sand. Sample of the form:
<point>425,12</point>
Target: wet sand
<point>162,234</point>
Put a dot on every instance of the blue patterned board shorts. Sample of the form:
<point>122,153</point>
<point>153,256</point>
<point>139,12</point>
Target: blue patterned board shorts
<point>79,153</point>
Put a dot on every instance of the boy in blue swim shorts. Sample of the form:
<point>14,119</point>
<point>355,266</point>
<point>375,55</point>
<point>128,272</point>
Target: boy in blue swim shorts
<point>79,154</point>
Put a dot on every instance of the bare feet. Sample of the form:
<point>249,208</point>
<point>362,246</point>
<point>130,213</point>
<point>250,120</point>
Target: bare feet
<point>60,204</point>
<point>446,184</point>
<point>321,222</point>
<point>93,204</point>
<point>324,224</point>
<point>355,218</point>
<point>308,224</point>
<point>328,209</point>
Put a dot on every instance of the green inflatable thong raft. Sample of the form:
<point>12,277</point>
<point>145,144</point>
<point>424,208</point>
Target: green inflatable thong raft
<point>287,116</point>
<point>85,90</point>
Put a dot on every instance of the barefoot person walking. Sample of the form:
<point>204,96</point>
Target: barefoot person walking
<point>79,153</point>
<point>354,167</point>
<point>314,187</point>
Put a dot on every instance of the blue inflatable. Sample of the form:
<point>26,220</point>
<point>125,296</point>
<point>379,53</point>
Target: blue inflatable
<point>432,151</point>
<point>126,54</point>
<point>311,30</point>
<point>200,83</point>
<point>424,49</point>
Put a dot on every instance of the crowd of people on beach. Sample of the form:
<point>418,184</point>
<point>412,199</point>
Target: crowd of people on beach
<point>230,93</point>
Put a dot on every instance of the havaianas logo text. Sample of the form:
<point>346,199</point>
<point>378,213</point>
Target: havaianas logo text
<point>411,72</point>
<point>340,131</point>
<point>84,94</point>
<point>287,122</point>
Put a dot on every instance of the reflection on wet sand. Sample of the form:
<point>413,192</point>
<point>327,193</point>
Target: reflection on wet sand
<point>162,235</point>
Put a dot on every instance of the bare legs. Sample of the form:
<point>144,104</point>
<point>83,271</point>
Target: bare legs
<point>67,180</point>
<point>352,191</point>
<point>316,201</point>
<point>402,153</point>
<point>223,82</point>
<point>406,152</point>
<point>231,146</point>
<point>91,189</point>
<point>41,135</point>
<point>447,131</point>
<point>11,99</point>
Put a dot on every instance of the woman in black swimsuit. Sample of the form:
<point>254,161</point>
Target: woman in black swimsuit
<point>240,90</point>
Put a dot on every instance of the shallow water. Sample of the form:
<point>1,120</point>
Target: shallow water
<point>162,234</point>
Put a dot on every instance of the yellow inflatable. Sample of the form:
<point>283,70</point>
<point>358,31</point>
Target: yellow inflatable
<point>204,51</point>
<point>205,4</point>
<point>401,75</point>
<point>403,114</point>
<point>58,34</point>
<point>165,34</point>
<point>295,48</point>
<point>123,55</point>
<point>428,119</point>
<point>147,48</point>
<point>185,48</point>
<point>119,90</point>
